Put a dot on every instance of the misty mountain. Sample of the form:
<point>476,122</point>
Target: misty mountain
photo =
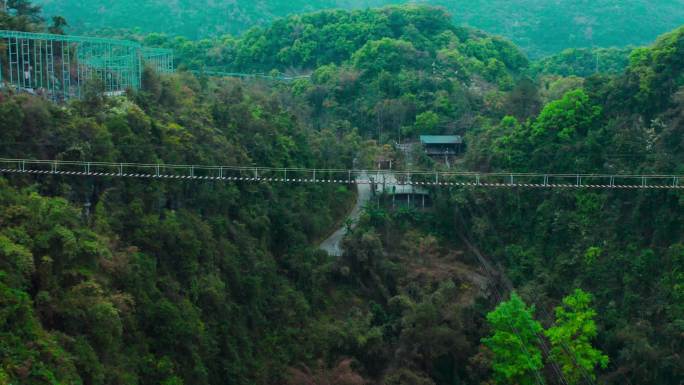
<point>540,27</point>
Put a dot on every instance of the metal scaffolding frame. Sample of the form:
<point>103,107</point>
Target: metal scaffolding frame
<point>59,66</point>
<point>160,59</point>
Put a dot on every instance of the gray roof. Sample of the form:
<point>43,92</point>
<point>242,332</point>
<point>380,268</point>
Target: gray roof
<point>441,139</point>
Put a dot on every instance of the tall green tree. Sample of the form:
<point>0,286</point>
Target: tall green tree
<point>517,359</point>
<point>572,115</point>
<point>571,337</point>
<point>25,8</point>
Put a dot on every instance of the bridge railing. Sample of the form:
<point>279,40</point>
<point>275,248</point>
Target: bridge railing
<point>341,176</point>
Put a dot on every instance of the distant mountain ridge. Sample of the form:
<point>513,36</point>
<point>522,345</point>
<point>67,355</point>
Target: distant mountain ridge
<point>540,27</point>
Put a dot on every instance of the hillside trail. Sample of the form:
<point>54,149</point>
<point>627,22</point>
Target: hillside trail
<point>333,245</point>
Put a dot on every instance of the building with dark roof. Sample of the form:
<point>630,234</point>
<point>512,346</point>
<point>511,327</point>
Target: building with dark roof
<point>441,145</point>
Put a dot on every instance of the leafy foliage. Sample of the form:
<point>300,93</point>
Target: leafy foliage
<point>374,70</point>
<point>517,359</point>
<point>149,282</point>
<point>655,74</point>
<point>571,338</point>
<point>584,62</point>
<point>137,287</point>
<point>20,15</point>
<point>540,27</point>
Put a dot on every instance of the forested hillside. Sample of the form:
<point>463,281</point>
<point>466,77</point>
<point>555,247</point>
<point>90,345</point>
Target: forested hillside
<point>128,281</point>
<point>540,27</point>
<point>584,62</point>
<point>390,72</point>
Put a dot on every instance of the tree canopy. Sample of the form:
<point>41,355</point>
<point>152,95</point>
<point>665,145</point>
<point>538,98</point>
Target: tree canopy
<point>540,27</point>
<point>134,281</point>
<point>571,337</point>
<point>517,358</point>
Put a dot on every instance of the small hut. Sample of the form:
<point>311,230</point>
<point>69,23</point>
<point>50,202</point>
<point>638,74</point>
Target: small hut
<point>442,145</point>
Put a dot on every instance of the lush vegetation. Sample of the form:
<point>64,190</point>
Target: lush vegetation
<point>162,283</point>
<point>390,72</point>
<point>112,281</point>
<point>540,27</point>
<point>584,62</point>
<point>23,15</point>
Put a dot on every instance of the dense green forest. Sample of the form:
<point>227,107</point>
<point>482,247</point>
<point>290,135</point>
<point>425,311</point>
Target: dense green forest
<point>540,27</point>
<point>125,281</point>
<point>162,283</point>
<point>390,72</point>
<point>584,62</point>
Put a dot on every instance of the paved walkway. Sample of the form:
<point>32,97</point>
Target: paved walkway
<point>333,245</point>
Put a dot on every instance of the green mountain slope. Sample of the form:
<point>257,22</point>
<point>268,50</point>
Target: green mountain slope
<point>540,27</point>
<point>132,281</point>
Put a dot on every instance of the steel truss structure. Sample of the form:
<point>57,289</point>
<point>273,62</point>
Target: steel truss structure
<point>302,175</point>
<point>160,59</point>
<point>59,66</point>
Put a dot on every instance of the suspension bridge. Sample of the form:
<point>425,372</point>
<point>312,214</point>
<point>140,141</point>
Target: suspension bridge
<point>256,174</point>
